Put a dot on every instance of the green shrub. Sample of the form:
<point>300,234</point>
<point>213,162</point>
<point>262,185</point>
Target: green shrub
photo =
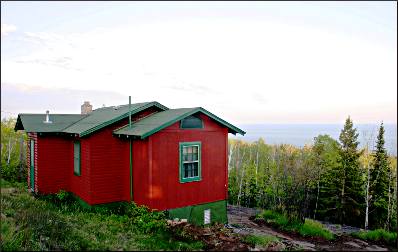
<point>263,240</point>
<point>273,217</point>
<point>280,220</point>
<point>314,228</point>
<point>309,228</point>
<point>7,184</point>
<point>62,195</point>
<point>145,219</point>
<point>377,235</point>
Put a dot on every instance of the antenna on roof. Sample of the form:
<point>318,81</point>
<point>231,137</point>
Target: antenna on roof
<point>129,111</point>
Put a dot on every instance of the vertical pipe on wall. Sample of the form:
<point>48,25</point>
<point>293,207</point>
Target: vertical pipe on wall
<point>131,155</point>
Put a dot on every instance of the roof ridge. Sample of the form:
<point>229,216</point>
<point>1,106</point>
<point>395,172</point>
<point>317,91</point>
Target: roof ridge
<point>120,105</point>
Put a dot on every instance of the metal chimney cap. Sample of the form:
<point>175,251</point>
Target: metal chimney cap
<point>47,117</point>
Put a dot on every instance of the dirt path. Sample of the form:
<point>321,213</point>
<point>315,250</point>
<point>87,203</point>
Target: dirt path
<point>239,221</point>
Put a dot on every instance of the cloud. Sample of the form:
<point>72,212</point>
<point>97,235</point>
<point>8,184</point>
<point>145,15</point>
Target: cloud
<point>228,66</point>
<point>7,29</point>
<point>21,98</point>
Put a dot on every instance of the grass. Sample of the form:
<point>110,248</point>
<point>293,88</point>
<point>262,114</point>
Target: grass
<point>263,240</point>
<point>6,184</point>
<point>60,223</point>
<point>310,228</point>
<point>377,235</point>
<point>315,229</point>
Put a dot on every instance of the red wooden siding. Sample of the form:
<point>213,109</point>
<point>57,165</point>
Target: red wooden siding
<point>81,185</point>
<point>105,172</point>
<point>140,172</point>
<point>106,165</point>
<point>156,179</point>
<point>53,163</point>
<point>109,157</point>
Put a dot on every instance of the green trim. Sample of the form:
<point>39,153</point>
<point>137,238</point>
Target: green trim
<point>80,154</point>
<point>87,206</point>
<point>195,214</point>
<point>82,202</point>
<point>104,124</point>
<point>32,165</point>
<point>199,177</point>
<point>214,117</point>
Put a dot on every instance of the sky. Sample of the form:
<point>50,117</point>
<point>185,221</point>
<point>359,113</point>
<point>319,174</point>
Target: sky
<point>247,62</point>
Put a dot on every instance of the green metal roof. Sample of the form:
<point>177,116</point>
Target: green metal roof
<point>161,120</point>
<point>103,117</point>
<point>80,124</point>
<point>35,122</point>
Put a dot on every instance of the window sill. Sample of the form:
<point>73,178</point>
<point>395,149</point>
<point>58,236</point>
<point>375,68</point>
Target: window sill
<point>187,180</point>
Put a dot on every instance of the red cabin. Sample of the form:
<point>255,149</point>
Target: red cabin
<point>167,159</point>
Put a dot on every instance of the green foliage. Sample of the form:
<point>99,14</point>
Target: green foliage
<point>377,235</point>
<point>62,195</point>
<point>379,177</point>
<point>59,223</point>
<point>13,161</point>
<point>308,228</point>
<point>7,184</point>
<point>278,219</point>
<point>262,240</point>
<point>350,199</point>
<point>315,229</point>
<point>329,171</point>
<point>146,220</point>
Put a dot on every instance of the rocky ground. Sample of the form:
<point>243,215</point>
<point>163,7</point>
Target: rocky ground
<point>241,221</point>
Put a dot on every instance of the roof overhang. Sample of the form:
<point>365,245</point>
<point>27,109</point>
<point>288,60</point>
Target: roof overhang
<point>125,130</point>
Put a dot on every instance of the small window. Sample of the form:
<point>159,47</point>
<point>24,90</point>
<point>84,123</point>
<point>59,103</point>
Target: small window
<point>191,122</point>
<point>190,162</point>
<point>76,158</point>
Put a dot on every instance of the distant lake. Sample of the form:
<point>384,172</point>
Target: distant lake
<point>301,134</point>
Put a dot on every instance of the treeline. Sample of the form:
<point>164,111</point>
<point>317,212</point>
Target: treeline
<point>331,180</point>
<point>13,152</point>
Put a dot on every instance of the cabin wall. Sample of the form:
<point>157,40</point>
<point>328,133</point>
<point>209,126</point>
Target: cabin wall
<point>161,170</point>
<point>80,185</point>
<point>110,163</point>
<point>53,163</point>
<point>141,184</point>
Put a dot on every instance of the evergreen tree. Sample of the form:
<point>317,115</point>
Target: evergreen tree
<point>329,181</point>
<point>351,194</point>
<point>379,178</point>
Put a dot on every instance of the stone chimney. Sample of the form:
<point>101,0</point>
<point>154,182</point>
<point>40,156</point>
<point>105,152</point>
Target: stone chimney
<point>86,108</point>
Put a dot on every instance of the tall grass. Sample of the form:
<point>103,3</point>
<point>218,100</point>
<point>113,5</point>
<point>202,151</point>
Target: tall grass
<point>60,223</point>
<point>316,229</point>
<point>308,228</point>
<point>377,235</point>
<point>262,240</point>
